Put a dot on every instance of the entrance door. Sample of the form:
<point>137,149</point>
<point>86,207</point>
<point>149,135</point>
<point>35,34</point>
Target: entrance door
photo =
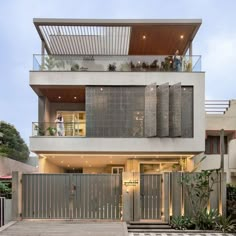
<point>151,196</point>
<point>71,196</point>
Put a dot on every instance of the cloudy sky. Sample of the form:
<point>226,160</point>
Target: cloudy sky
<point>215,42</point>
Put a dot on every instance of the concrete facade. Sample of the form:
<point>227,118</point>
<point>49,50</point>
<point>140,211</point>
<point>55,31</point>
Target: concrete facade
<point>195,144</point>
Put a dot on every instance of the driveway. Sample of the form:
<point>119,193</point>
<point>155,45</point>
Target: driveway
<point>64,228</point>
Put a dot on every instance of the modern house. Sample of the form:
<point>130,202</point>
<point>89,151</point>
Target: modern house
<point>127,108</point>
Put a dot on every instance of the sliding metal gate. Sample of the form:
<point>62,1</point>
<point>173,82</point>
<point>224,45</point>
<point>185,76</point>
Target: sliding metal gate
<point>71,196</point>
<point>151,196</point>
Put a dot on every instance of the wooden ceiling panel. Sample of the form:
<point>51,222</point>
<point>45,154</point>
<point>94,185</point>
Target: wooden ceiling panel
<point>65,94</point>
<point>161,40</point>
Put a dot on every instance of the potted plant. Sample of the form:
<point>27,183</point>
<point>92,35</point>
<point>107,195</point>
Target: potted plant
<point>52,131</point>
<point>112,67</point>
<point>75,67</point>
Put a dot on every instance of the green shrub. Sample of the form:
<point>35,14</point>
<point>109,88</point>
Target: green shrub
<point>226,224</point>
<point>5,190</point>
<point>182,223</point>
<point>206,220</point>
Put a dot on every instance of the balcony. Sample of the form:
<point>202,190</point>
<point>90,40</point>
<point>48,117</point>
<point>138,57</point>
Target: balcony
<point>90,63</point>
<point>45,139</point>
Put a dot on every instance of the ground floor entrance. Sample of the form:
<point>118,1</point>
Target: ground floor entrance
<point>88,196</point>
<point>129,196</point>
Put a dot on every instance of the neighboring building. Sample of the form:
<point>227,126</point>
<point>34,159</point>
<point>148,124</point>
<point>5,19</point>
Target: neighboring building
<point>221,115</point>
<point>125,105</point>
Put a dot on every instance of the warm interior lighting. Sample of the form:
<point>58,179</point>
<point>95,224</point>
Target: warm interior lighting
<point>181,36</point>
<point>144,36</point>
<point>75,97</point>
<point>59,97</point>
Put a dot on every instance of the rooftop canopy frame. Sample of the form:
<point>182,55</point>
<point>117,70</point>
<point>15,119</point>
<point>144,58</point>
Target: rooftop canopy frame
<point>117,36</point>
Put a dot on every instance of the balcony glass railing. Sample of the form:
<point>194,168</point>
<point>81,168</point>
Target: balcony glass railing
<point>115,63</point>
<point>78,129</point>
<point>58,129</point>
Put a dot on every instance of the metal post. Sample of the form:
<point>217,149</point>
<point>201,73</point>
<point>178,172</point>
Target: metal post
<point>42,54</point>
<point>222,150</point>
<point>222,188</point>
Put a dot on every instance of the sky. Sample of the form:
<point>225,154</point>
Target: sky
<point>19,40</point>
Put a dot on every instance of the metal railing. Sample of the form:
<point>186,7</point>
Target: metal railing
<point>58,129</point>
<point>216,106</point>
<point>162,63</point>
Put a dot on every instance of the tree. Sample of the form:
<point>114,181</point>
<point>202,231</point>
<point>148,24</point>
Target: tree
<point>11,143</point>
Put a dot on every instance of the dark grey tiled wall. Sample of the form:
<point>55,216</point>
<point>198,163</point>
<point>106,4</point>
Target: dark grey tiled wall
<point>150,110</point>
<point>115,111</point>
<point>120,111</point>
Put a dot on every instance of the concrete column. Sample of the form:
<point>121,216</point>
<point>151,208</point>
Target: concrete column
<point>222,201</point>
<point>166,197</point>
<point>16,195</point>
<point>41,108</point>
<point>127,196</point>
<point>136,197</point>
<point>132,165</point>
<point>131,196</point>
<point>190,49</point>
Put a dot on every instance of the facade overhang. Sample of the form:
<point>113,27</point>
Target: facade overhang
<point>116,37</point>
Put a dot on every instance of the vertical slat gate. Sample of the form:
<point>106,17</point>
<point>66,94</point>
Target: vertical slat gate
<point>151,192</point>
<point>97,196</point>
<point>2,199</point>
<point>45,196</point>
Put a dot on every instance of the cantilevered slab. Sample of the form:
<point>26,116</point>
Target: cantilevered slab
<point>116,37</point>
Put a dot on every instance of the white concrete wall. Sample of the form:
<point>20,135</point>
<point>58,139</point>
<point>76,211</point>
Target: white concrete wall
<point>195,144</point>
<point>8,165</point>
<point>116,78</point>
<point>213,162</point>
<point>76,144</point>
<point>232,154</point>
<point>8,211</point>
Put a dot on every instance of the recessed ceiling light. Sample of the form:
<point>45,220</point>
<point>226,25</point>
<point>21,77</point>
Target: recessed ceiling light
<point>144,36</point>
<point>59,97</point>
<point>75,97</point>
<point>181,36</point>
<point>101,89</point>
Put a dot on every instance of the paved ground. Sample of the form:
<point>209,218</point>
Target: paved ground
<point>178,234</point>
<point>65,228</point>
<point>81,228</point>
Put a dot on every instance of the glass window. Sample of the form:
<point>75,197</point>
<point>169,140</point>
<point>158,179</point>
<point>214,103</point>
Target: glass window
<point>212,145</point>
